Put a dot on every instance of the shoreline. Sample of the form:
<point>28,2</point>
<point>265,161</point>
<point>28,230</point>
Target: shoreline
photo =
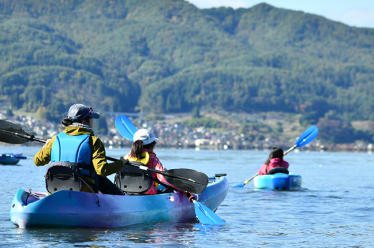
<point>239,132</point>
<point>161,146</point>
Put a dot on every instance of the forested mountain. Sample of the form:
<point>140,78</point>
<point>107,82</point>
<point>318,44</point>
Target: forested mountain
<point>169,56</point>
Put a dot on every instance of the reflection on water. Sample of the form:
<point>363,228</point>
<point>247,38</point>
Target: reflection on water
<point>173,235</point>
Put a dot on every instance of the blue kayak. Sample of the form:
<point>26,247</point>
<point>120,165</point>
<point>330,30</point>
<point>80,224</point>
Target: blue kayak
<point>80,209</point>
<point>278,181</point>
<point>10,158</point>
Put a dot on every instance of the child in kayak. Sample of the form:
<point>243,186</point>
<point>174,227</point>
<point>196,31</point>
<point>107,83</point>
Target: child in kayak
<point>142,151</point>
<point>275,160</point>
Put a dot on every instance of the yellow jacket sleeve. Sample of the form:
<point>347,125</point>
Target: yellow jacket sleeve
<point>99,160</point>
<point>43,156</point>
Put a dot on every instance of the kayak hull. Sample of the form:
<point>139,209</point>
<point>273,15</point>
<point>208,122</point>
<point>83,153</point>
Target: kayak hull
<point>81,209</point>
<point>9,161</point>
<point>10,158</point>
<point>279,181</point>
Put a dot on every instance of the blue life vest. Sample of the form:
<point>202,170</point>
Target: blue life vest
<point>74,149</point>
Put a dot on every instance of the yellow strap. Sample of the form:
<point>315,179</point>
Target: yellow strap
<point>143,160</point>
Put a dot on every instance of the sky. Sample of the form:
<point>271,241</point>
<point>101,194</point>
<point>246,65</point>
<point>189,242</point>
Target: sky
<point>359,13</point>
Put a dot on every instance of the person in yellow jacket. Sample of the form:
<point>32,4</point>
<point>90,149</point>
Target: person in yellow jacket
<point>78,144</point>
<point>142,150</point>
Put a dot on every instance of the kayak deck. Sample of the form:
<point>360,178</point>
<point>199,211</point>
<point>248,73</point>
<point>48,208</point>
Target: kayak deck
<point>81,209</point>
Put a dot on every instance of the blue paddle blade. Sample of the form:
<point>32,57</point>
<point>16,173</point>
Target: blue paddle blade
<point>308,136</point>
<point>240,185</point>
<point>125,127</point>
<point>205,215</point>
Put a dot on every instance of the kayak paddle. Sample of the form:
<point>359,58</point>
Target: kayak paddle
<point>13,133</point>
<point>305,138</point>
<point>184,179</point>
<point>125,127</point>
<point>204,214</point>
<point>308,136</point>
<point>241,185</point>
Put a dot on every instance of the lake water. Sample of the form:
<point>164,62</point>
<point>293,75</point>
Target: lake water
<point>335,209</point>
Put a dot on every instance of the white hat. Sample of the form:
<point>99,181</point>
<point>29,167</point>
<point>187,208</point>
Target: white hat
<point>144,135</point>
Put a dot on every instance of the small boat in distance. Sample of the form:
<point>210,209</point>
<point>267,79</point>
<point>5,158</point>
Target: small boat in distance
<point>10,158</point>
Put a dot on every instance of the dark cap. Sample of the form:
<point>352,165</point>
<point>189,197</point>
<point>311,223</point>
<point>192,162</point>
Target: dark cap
<point>78,112</point>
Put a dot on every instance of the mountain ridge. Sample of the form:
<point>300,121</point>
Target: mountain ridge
<point>169,57</point>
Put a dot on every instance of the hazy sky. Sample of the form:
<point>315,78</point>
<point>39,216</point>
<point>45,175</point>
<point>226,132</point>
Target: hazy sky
<point>358,13</point>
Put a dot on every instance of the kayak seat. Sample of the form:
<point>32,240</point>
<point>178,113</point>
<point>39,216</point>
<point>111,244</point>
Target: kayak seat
<point>64,176</point>
<point>278,170</point>
<point>133,180</point>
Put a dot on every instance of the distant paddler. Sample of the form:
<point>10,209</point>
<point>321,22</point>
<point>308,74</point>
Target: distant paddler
<point>275,163</point>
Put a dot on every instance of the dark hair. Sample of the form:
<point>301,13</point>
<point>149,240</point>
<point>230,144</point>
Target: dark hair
<point>276,152</point>
<point>137,148</point>
<point>68,121</point>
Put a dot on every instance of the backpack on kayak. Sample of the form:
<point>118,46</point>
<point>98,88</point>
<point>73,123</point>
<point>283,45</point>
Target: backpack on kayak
<point>133,180</point>
<point>278,170</point>
<point>69,176</point>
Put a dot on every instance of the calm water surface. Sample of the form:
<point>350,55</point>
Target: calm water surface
<point>335,209</point>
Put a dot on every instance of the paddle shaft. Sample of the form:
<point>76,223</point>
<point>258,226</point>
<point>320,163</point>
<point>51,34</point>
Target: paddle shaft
<point>142,167</point>
<point>250,179</point>
<point>24,136</point>
<point>290,150</point>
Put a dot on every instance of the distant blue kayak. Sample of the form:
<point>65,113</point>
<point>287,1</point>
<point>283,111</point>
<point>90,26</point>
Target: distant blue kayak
<point>279,181</point>
<point>80,209</point>
<point>10,158</point>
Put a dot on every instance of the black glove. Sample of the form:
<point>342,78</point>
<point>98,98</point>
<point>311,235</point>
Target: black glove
<point>190,196</point>
<point>124,161</point>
